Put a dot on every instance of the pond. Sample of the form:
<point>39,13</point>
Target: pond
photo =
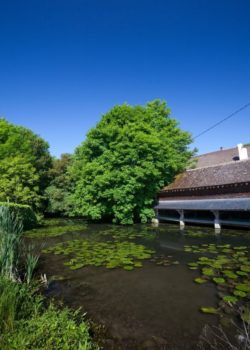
<point>145,286</point>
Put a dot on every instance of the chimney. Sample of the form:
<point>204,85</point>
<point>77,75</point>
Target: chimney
<point>242,152</point>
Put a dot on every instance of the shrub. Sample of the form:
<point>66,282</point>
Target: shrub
<point>24,212</point>
<point>52,330</point>
<point>17,301</point>
<point>26,325</point>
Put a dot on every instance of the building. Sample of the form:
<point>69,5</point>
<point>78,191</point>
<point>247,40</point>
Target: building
<point>216,191</point>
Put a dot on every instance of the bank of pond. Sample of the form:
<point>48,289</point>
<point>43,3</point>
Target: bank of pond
<point>145,287</point>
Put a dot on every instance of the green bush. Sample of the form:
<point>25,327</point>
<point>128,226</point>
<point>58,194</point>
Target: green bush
<point>25,213</point>
<point>25,323</point>
<point>17,302</point>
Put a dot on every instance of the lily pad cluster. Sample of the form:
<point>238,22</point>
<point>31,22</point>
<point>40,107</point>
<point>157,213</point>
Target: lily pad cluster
<point>54,230</point>
<point>163,260</point>
<point>230,271</point>
<point>213,248</point>
<point>127,255</point>
<point>126,234</point>
<point>197,234</point>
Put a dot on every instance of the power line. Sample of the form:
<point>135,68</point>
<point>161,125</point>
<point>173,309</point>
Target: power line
<point>223,120</point>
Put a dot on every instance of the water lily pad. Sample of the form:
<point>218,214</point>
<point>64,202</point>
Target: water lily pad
<point>239,293</point>
<point>219,280</point>
<point>245,268</point>
<point>207,271</point>
<point>230,274</point>
<point>128,267</point>
<point>243,287</point>
<point>209,310</point>
<point>200,280</point>
<point>193,264</point>
<point>241,273</point>
<point>230,299</point>
<point>203,258</point>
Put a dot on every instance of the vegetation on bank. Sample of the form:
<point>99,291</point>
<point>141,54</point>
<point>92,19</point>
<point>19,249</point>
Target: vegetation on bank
<point>24,212</point>
<point>113,175</point>
<point>27,324</point>
<point>25,320</point>
<point>58,193</point>
<point>24,164</point>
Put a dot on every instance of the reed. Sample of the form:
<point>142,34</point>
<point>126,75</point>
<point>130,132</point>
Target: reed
<point>11,230</point>
<point>31,264</point>
<point>8,304</point>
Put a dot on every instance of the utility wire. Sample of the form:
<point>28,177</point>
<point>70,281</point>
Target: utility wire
<point>223,120</point>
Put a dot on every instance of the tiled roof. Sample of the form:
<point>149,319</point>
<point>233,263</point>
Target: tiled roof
<point>219,157</point>
<point>227,173</point>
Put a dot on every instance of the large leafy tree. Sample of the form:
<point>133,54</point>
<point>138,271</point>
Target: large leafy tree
<point>24,165</point>
<point>130,154</point>
<point>60,188</point>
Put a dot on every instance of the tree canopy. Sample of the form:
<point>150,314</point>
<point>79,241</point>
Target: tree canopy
<point>130,154</point>
<point>60,188</point>
<point>24,164</point>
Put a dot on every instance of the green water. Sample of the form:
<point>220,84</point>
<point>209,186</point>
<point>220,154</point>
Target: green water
<point>146,285</point>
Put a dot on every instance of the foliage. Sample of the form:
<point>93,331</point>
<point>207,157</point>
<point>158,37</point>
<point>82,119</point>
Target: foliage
<point>125,160</point>
<point>31,264</point>
<point>10,240</point>
<point>24,165</point>
<point>12,252</point>
<point>24,212</point>
<point>17,301</point>
<point>53,329</point>
<point>60,188</point>
<point>25,323</point>
<point>19,181</point>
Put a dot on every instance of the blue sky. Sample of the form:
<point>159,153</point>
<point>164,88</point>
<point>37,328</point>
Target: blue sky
<point>65,63</point>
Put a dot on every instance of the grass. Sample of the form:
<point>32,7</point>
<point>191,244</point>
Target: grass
<point>25,322</point>
<point>31,263</point>
<point>11,230</point>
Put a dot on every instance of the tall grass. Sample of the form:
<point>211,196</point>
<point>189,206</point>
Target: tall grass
<point>8,303</point>
<point>11,229</point>
<point>31,263</point>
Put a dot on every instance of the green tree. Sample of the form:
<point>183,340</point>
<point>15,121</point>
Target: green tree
<point>130,154</point>
<point>24,165</point>
<point>60,189</point>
